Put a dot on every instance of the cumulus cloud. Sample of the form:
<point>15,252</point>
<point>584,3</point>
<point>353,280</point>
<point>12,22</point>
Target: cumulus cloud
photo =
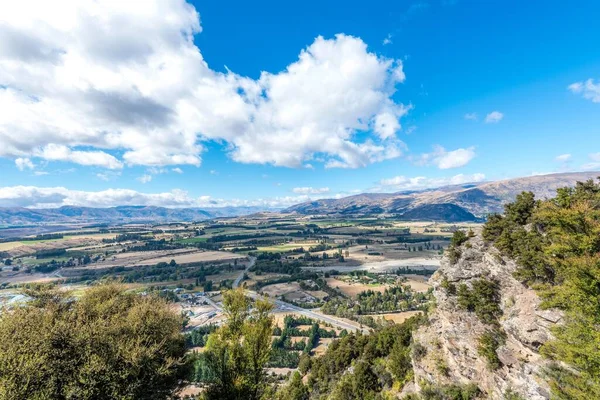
<point>51,197</point>
<point>494,117</point>
<point>114,83</point>
<point>421,182</point>
<point>471,116</point>
<point>54,152</point>
<point>444,159</point>
<point>402,183</point>
<point>387,40</point>
<point>310,190</point>
<point>177,170</point>
<point>589,89</point>
<point>594,162</point>
<point>563,158</point>
<point>24,163</point>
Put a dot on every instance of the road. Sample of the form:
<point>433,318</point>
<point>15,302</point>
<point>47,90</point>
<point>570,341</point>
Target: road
<point>237,281</point>
<point>212,303</point>
<point>287,306</point>
<point>282,305</point>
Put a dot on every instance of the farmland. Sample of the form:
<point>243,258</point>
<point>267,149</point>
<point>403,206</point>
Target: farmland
<point>330,276</point>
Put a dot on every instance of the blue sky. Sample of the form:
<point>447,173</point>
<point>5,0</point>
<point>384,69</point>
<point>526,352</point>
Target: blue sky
<point>196,104</point>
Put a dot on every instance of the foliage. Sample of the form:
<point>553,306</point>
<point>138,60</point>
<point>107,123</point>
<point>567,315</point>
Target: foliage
<point>395,298</point>
<point>483,299</point>
<point>295,389</point>
<point>447,392</point>
<point>199,336</point>
<point>556,244</point>
<point>488,344</point>
<point>361,366</point>
<point>458,238</point>
<point>238,352</point>
<point>109,344</point>
<point>448,286</point>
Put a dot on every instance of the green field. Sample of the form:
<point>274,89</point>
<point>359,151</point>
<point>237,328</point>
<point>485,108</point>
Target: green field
<point>192,240</point>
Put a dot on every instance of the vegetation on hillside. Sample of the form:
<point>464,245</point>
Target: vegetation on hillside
<point>556,243</point>
<point>233,365</point>
<point>357,366</point>
<point>109,344</point>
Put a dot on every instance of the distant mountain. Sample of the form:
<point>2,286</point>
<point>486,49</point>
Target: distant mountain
<point>121,214</point>
<point>455,203</point>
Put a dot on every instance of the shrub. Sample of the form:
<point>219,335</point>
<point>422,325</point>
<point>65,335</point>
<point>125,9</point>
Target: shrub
<point>483,299</point>
<point>109,344</point>
<point>448,286</point>
<point>488,346</point>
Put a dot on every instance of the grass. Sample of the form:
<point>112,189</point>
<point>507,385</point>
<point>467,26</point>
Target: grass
<point>192,240</point>
<point>35,261</point>
<point>280,248</point>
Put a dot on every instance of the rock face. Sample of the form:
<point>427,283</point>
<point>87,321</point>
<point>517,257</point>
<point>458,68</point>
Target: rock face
<point>450,340</point>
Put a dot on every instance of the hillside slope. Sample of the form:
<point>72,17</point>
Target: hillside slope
<point>450,341</point>
<point>478,199</point>
<point>121,214</point>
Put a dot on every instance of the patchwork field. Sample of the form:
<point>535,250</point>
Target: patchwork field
<point>399,317</point>
<point>352,289</point>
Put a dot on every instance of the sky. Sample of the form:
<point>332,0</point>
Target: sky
<point>270,103</point>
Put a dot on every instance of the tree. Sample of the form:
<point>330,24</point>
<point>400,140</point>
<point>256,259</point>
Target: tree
<point>238,352</point>
<point>109,344</point>
<point>295,390</point>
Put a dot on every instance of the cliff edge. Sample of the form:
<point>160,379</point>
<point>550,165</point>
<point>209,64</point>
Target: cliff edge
<point>447,350</point>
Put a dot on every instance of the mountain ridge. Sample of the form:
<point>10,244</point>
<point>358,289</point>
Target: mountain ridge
<point>118,214</point>
<point>471,201</point>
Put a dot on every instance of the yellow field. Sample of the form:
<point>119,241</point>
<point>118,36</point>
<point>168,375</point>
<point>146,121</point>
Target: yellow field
<point>352,289</point>
<point>10,245</point>
<point>399,317</point>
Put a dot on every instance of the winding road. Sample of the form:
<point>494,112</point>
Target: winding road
<point>282,305</point>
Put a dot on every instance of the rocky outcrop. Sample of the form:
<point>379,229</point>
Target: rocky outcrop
<point>446,348</point>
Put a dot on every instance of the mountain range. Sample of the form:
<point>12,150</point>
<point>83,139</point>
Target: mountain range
<point>120,214</point>
<point>456,203</point>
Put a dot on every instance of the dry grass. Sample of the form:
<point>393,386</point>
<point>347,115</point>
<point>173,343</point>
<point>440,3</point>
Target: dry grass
<point>399,317</point>
<point>280,289</point>
<point>352,289</point>
<point>417,286</point>
<point>322,346</point>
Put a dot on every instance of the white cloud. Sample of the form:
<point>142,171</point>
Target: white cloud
<point>387,40</point>
<point>444,159</point>
<point>471,116</point>
<point>23,163</point>
<point>310,190</point>
<point>177,170</point>
<point>51,197</point>
<point>563,158</point>
<point>214,172</point>
<point>54,152</point>
<point>40,173</point>
<point>421,182</point>
<point>145,178</point>
<point>90,81</point>
<point>589,89</point>
<point>594,164</point>
<point>494,117</point>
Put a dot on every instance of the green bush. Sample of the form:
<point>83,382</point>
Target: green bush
<point>488,346</point>
<point>483,299</point>
<point>556,244</point>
